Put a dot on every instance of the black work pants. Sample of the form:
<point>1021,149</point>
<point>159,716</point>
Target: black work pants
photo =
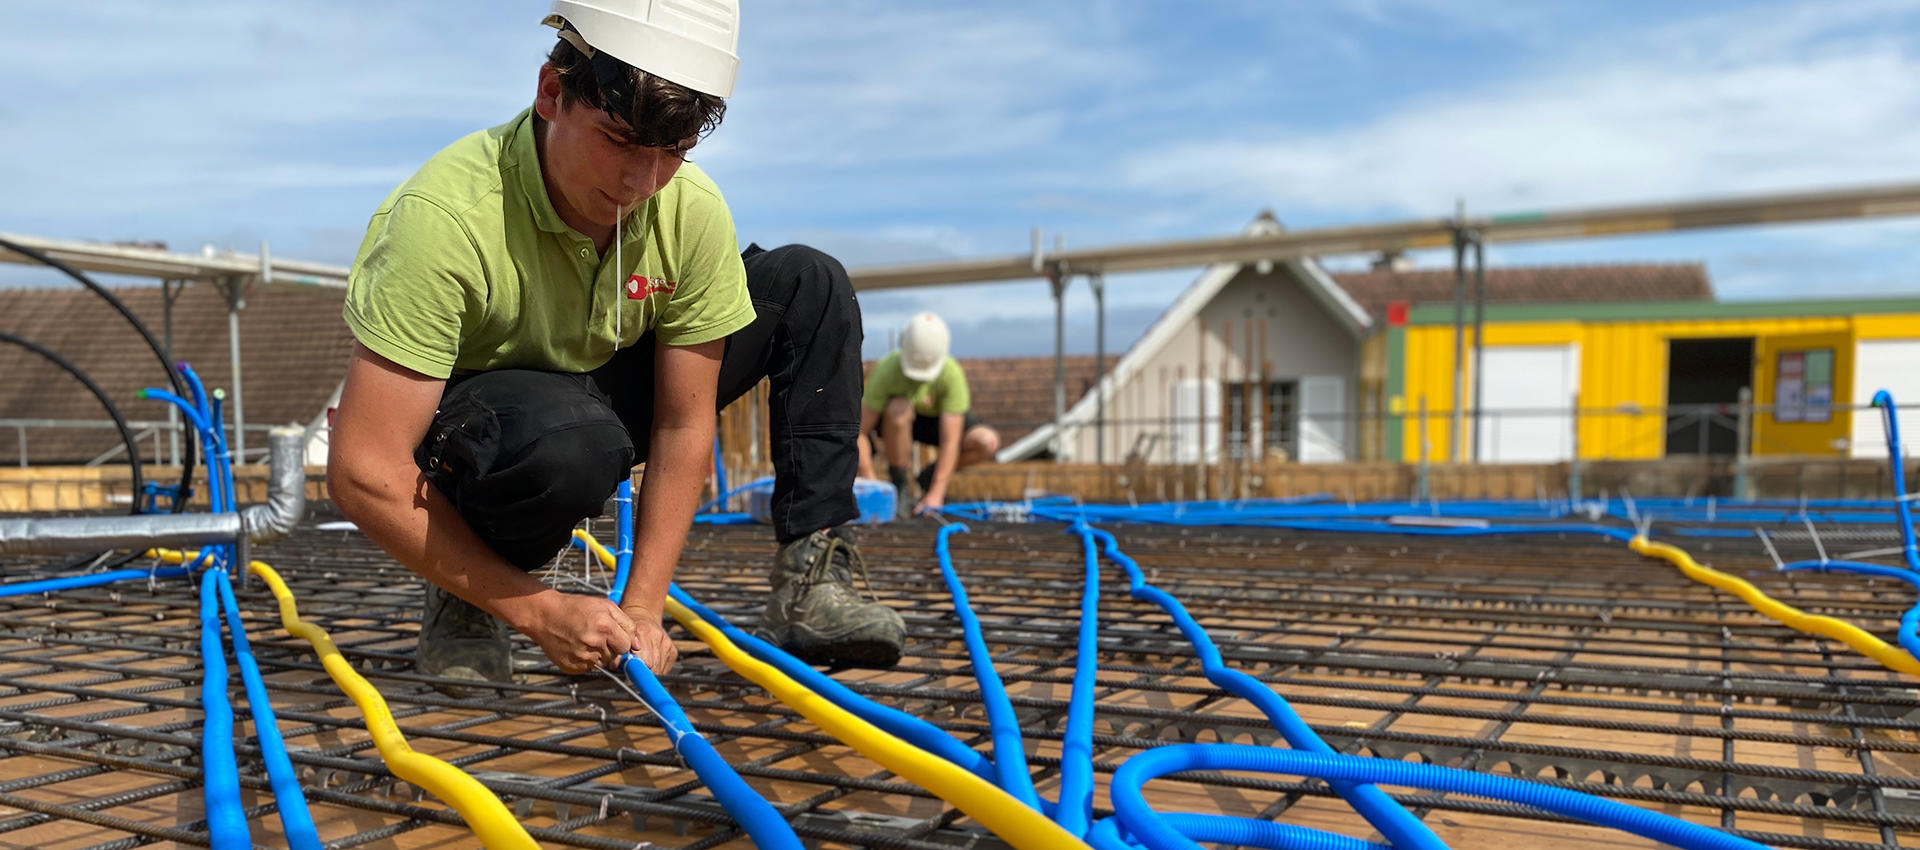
<point>525,455</point>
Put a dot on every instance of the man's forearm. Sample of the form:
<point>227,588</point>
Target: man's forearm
<point>407,516</point>
<point>669,494</point>
<point>865,459</point>
<point>948,458</point>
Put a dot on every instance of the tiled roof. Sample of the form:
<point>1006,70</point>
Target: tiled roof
<point>293,346</point>
<point>1533,285</point>
<point>1015,394</point>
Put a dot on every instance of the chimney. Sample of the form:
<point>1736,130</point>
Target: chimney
<point>1393,261</point>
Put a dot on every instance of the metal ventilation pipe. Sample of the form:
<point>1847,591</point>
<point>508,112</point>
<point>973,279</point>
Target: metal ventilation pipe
<point>286,504</point>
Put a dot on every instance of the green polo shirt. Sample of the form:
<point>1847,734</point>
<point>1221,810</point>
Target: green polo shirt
<point>467,268</point>
<point>946,393</point>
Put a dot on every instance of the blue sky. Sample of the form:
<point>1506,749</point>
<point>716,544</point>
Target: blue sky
<point>890,132</point>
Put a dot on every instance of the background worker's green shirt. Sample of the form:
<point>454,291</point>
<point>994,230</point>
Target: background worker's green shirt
<point>467,268</point>
<point>946,393</point>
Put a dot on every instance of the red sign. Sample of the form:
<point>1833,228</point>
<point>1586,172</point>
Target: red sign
<point>1397,313</point>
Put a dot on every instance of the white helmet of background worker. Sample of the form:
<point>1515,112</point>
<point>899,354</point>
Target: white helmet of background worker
<point>690,42</point>
<point>923,347</point>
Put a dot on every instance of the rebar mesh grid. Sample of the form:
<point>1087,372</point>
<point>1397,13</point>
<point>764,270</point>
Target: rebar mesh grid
<point>1564,660</point>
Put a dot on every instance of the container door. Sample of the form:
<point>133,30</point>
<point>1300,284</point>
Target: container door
<point>1892,365</point>
<point>1527,402</point>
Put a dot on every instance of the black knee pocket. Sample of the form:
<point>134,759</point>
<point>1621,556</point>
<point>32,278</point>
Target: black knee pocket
<point>525,465</point>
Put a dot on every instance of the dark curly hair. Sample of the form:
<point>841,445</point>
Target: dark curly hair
<point>653,112</point>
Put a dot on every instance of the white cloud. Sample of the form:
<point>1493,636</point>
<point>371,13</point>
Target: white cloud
<point>1622,134</point>
<point>137,106</point>
<point>886,83</point>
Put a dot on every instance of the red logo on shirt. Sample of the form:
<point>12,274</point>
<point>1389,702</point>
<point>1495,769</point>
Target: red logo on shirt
<point>641,286</point>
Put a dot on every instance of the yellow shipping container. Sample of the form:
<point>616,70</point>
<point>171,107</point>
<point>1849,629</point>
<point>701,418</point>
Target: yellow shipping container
<point>1802,359</point>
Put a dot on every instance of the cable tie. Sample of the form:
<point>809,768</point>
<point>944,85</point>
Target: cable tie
<point>1767,540</point>
<point>1815,533</point>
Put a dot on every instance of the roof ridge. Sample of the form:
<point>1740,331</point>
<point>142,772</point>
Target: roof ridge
<point>1677,264</point>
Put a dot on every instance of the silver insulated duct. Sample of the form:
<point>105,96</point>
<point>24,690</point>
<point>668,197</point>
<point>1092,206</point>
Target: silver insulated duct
<point>286,504</point>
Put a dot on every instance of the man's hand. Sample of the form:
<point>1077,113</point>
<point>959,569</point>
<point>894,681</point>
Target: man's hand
<point>650,642</point>
<point>579,633</point>
<point>931,504</point>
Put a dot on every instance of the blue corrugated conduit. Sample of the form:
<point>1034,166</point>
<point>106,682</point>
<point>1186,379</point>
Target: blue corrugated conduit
<point>1075,811</point>
<point>1243,832</point>
<point>46,585</point>
<point>1401,828</point>
<point>1890,417</point>
<point>674,720</point>
<point>768,829</point>
<point>623,539</point>
<point>899,724</point>
<point>913,730</point>
<point>216,488</point>
<point>1009,750</point>
<point>1910,621</point>
<point>219,764</point>
<point>295,819</point>
<point>226,821</point>
<point>761,821</point>
<point>1157,834</point>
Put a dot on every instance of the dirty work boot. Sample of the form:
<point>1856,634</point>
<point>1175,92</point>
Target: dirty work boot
<point>460,641</point>
<point>816,615</point>
<point>902,500</point>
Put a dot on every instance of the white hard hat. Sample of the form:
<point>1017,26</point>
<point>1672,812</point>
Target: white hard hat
<point>690,42</point>
<point>923,347</point>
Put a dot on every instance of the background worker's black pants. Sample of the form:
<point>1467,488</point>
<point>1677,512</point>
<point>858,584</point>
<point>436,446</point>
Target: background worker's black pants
<point>526,455</point>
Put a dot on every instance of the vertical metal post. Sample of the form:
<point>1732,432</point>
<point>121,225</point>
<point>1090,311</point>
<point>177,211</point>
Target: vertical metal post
<point>1479,335</point>
<point>1420,491</point>
<point>1264,386</point>
<point>169,292</point>
<point>1459,337</point>
<point>1058,282</point>
<point>235,301</point>
<point>22,429</point>
<point>1742,486</point>
<point>1167,428</point>
<point>1200,407</point>
<point>1573,466</point>
<point>1227,413</point>
<point>1249,416</point>
<point>1099,283</point>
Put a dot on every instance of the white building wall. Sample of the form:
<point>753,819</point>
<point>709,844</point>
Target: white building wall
<point>1259,327</point>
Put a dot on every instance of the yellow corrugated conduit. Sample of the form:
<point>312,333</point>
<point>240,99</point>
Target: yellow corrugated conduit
<point>484,813</point>
<point>1891,657</point>
<point>995,809</point>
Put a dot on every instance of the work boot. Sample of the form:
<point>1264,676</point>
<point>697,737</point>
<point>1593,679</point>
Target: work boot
<point>816,615</point>
<point>460,641</point>
<point>902,500</point>
<point>925,478</point>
